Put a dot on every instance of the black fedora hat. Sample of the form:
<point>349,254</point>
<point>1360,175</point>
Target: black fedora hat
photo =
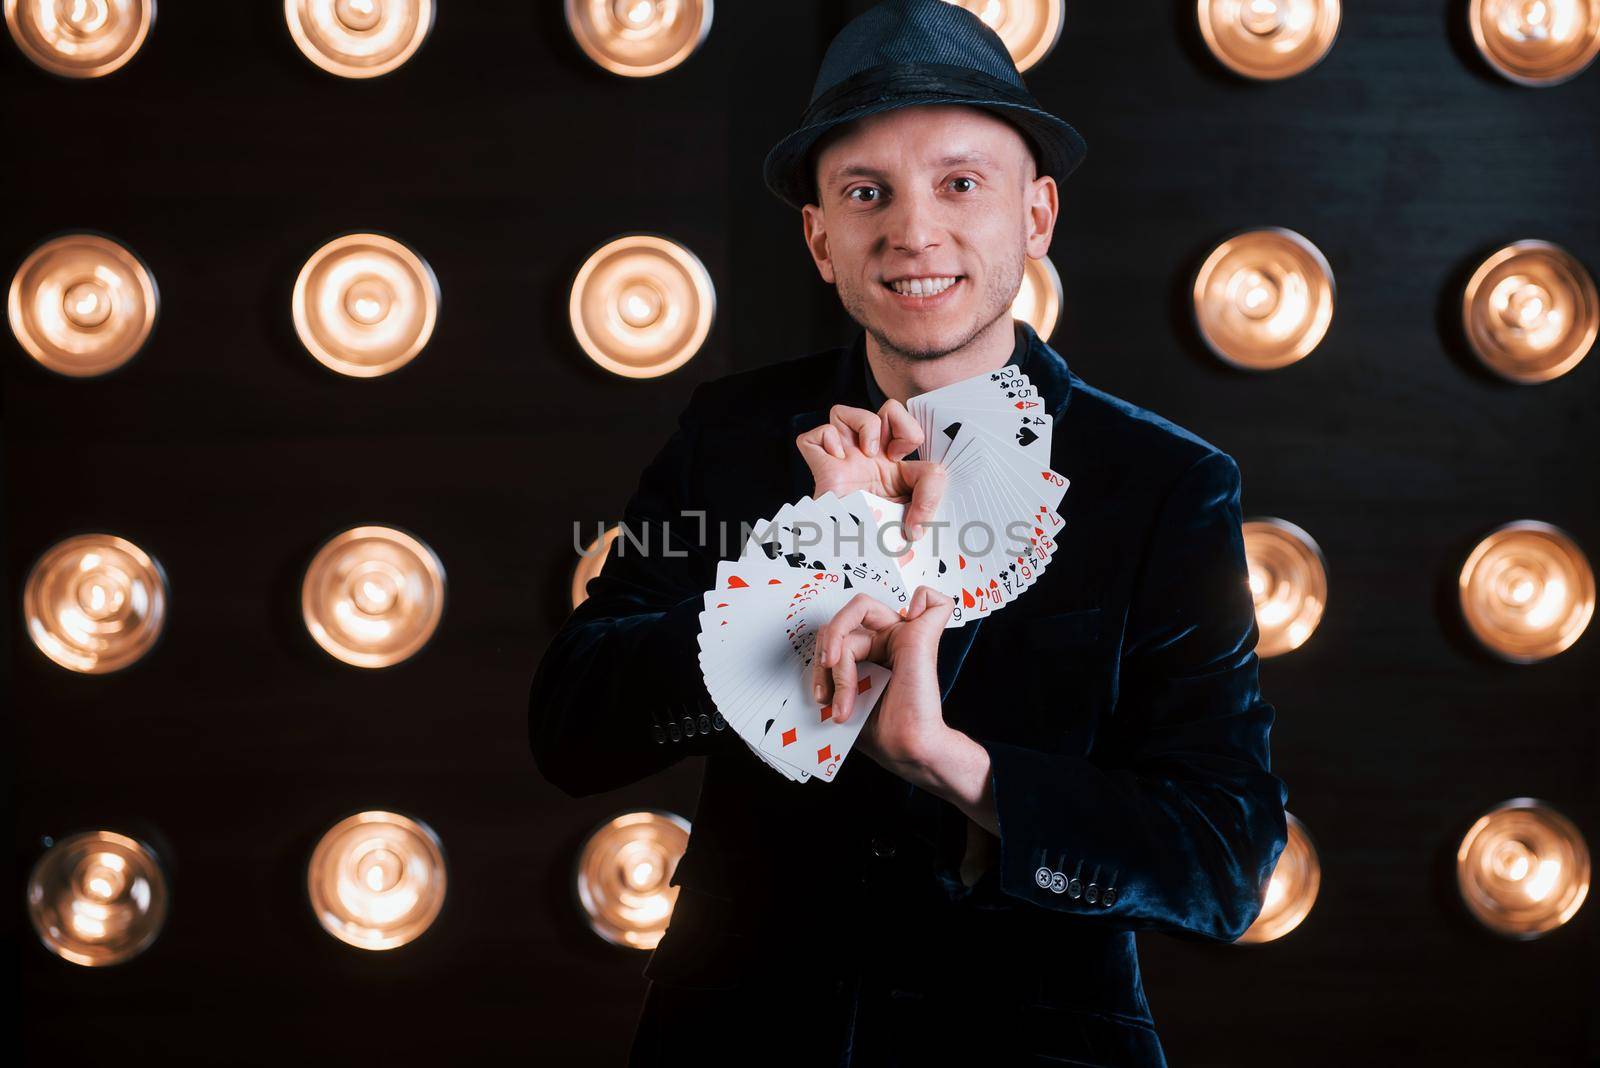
<point>905,52</point>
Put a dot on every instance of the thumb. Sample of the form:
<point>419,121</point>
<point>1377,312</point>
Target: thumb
<point>928,613</point>
<point>926,481</point>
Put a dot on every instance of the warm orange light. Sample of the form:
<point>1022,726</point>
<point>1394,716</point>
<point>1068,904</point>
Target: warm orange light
<point>589,564</point>
<point>95,603</point>
<point>1536,42</point>
<point>372,595</point>
<point>1530,311</point>
<point>639,38</point>
<point>82,304</point>
<point>358,38</point>
<point>641,305</point>
<point>97,898</point>
<point>1527,591</point>
<point>377,879</point>
<point>1523,869</point>
<point>1269,39</point>
<point>1263,299</point>
<point>1038,301</point>
<point>365,305</point>
<point>1289,582</point>
<point>83,38</point>
<point>623,874</point>
<point>1029,28</point>
<point>1292,890</point>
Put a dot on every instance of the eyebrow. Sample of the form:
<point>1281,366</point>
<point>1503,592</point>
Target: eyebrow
<point>861,170</point>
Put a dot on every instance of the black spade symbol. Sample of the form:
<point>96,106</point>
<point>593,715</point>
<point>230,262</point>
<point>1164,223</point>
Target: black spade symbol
<point>1026,437</point>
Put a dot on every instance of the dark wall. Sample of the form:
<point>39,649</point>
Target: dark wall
<point>500,154</point>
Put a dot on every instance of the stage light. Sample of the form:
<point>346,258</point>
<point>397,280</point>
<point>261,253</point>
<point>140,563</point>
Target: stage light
<point>358,38</point>
<point>82,39</point>
<point>97,898</point>
<point>1292,890</point>
<point>1029,28</point>
<point>372,596</point>
<point>377,879</point>
<point>1269,39</point>
<point>1530,311</point>
<point>364,305</point>
<point>1523,869</point>
<point>623,872</point>
<point>95,603</point>
<point>1289,582</point>
<point>639,38</point>
<point>590,563</point>
<point>1527,591</point>
<point>82,304</point>
<point>1039,301</point>
<point>1264,298</point>
<point>641,305</point>
<point>1538,43</point>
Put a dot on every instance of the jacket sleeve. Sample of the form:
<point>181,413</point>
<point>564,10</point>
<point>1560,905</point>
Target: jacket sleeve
<point>618,694</point>
<point>1174,821</point>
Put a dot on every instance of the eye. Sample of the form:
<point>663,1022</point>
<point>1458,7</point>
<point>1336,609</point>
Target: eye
<point>860,189</point>
<point>964,179</point>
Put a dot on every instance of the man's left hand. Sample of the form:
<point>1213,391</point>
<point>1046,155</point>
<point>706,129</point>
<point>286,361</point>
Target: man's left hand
<point>908,726</point>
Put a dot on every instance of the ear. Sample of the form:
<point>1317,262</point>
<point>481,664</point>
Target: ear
<point>1039,200</point>
<point>816,235</point>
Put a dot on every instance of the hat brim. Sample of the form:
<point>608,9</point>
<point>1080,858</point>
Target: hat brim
<point>1058,147</point>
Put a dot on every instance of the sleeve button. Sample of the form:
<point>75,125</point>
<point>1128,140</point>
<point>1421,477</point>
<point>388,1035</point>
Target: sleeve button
<point>688,727</point>
<point>1091,894</point>
<point>1109,896</point>
<point>705,723</point>
<point>659,733</point>
<point>675,731</point>
<point>1042,877</point>
<point>718,722</point>
<point>1058,882</point>
<point>1075,888</point>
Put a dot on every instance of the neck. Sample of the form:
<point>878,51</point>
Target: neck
<point>902,377</point>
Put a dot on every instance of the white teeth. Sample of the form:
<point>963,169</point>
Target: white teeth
<point>922,287</point>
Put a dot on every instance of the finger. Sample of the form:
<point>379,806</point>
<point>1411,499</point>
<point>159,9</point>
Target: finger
<point>864,425</point>
<point>844,688</point>
<point>819,446</point>
<point>927,481</point>
<point>858,645</point>
<point>901,433</point>
<point>860,612</point>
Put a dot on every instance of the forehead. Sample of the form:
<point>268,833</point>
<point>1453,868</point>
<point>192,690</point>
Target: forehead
<point>924,135</point>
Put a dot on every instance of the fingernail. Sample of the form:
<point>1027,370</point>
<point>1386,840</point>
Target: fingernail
<point>819,691</point>
<point>872,445</point>
<point>914,531</point>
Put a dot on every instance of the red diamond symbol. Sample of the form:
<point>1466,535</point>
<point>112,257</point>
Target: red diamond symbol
<point>827,713</point>
<point>864,685</point>
<point>789,736</point>
<point>824,753</point>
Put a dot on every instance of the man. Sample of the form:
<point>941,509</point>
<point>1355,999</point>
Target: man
<point>1034,787</point>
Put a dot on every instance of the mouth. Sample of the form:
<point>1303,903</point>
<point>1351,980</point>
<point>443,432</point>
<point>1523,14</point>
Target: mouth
<point>929,301</point>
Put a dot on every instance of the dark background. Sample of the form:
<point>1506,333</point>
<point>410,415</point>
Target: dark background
<point>503,157</point>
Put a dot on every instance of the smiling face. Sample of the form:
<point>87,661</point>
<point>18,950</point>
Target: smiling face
<point>925,218</point>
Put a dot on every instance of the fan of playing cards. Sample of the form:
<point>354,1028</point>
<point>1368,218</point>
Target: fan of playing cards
<point>990,540</point>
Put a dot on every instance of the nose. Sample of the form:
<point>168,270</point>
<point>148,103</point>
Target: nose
<point>913,222</point>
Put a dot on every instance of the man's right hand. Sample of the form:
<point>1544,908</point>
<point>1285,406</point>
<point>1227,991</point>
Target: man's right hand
<point>860,450</point>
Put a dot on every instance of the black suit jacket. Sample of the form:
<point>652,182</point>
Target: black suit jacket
<point>1117,699</point>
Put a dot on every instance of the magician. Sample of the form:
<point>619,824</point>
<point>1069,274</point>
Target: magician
<point>1043,783</point>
